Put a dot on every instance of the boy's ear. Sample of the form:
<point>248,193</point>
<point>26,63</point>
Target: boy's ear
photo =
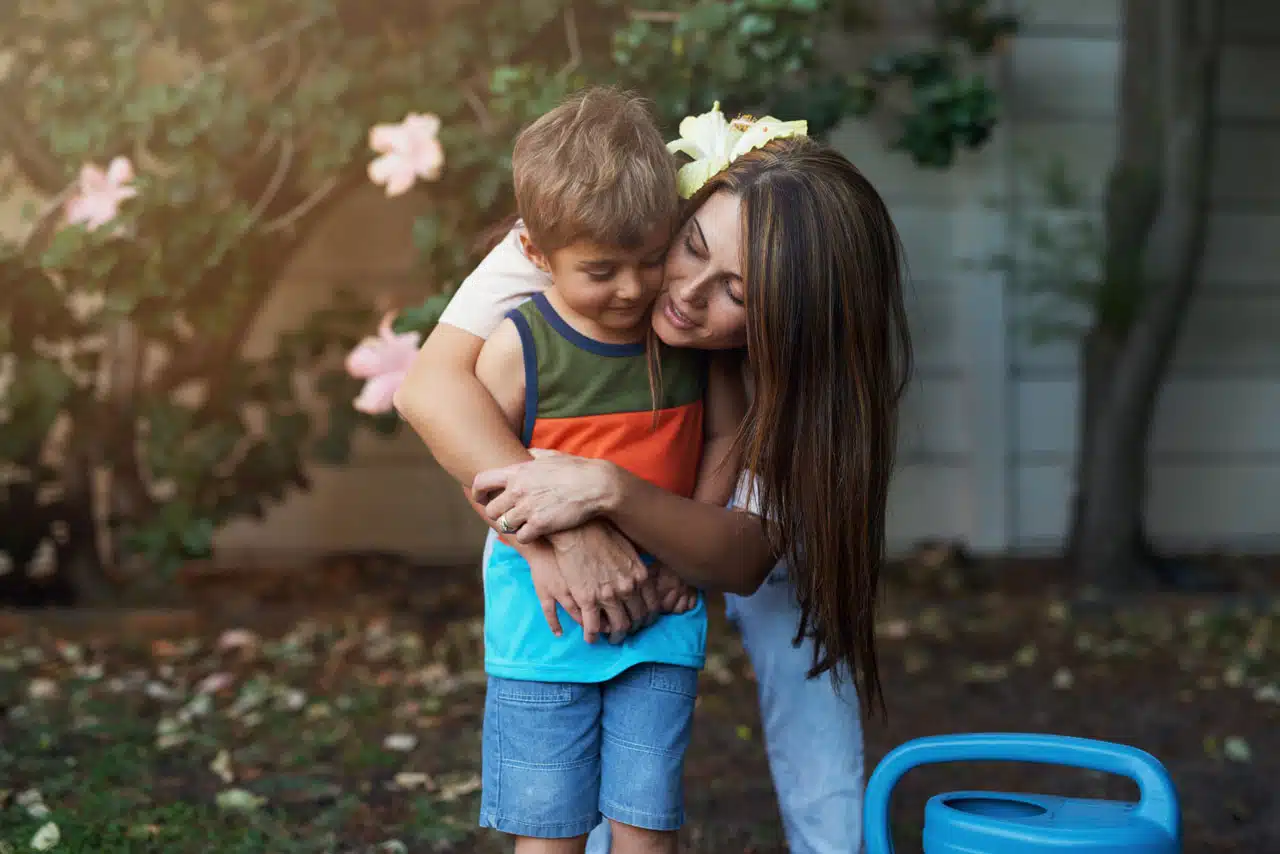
<point>533,253</point>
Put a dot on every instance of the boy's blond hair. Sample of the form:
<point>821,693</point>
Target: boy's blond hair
<point>594,168</point>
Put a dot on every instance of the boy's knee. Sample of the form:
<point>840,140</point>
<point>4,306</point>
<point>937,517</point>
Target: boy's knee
<point>534,845</point>
<point>628,839</point>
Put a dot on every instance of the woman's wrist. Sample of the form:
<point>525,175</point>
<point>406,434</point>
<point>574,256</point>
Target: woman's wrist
<point>609,486</point>
<point>613,488</point>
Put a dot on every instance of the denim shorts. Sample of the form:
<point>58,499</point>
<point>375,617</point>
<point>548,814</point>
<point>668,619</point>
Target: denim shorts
<point>559,755</point>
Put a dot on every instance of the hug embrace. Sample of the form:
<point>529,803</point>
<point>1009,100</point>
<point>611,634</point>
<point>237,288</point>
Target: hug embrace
<point>668,380</point>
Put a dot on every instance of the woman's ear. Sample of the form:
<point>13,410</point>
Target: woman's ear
<point>533,253</point>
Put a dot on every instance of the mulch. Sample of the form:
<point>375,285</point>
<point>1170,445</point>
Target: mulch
<point>967,646</point>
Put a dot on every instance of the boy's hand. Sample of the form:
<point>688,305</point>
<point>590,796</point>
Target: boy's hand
<point>644,607</point>
<point>550,585</point>
<point>675,597</point>
<point>603,572</point>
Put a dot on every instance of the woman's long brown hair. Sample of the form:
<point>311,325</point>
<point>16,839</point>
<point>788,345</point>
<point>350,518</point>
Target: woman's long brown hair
<point>830,353</point>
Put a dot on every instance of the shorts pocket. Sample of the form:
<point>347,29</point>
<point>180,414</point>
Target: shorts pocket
<point>521,693</point>
<point>674,679</point>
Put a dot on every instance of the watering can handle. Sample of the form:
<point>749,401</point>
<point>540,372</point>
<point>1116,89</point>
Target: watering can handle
<point>1158,801</point>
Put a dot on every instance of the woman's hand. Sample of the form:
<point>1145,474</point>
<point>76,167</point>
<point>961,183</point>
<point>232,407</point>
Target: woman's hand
<point>552,493</point>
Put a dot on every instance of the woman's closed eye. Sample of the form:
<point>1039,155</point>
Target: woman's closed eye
<point>689,245</point>
<point>734,297</point>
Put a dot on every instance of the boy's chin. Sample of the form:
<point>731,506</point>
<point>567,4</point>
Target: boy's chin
<point>624,322</point>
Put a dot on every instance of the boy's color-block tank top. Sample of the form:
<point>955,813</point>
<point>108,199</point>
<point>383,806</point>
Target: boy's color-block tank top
<point>594,399</point>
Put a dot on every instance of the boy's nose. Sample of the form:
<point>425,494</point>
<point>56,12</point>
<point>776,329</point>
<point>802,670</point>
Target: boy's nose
<point>629,287</point>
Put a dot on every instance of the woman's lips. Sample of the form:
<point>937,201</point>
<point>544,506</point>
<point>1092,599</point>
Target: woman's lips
<point>676,317</point>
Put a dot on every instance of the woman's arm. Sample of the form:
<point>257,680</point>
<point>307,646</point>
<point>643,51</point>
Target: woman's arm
<point>452,411</point>
<point>705,544</point>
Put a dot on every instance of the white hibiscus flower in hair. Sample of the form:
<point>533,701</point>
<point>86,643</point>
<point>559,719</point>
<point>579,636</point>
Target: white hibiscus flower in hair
<point>713,142</point>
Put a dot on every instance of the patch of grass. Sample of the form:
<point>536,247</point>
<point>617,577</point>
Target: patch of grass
<point>235,744</point>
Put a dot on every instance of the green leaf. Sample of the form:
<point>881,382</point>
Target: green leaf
<point>423,317</point>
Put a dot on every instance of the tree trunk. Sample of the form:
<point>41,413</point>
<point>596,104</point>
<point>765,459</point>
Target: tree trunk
<point>81,564</point>
<point>1156,211</point>
<point>1107,549</point>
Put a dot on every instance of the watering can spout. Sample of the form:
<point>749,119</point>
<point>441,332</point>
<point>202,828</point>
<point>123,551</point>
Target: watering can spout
<point>1027,824</point>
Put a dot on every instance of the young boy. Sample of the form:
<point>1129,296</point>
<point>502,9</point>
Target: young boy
<point>575,730</point>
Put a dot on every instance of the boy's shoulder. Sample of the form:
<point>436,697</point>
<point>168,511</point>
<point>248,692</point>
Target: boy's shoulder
<point>503,347</point>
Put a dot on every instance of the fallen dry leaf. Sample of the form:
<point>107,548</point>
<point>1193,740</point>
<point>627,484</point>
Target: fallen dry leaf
<point>401,742</point>
<point>46,837</point>
<point>239,800</point>
<point>42,688</point>
<point>410,780</point>
<point>1236,749</point>
<point>221,765</point>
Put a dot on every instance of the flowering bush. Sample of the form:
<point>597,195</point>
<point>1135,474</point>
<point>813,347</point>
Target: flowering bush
<point>132,424</point>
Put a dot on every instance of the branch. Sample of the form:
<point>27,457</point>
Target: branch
<point>46,219</point>
<point>571,36</point>
<point>276,182</point>
<point>40,168</point>
<point>290,72</point>
<point>284,221</point>
<point>256,46</point>
<point>193,361</point>
<point>653,16</point>
<point>43,171</point>
<point>147,160</point>
<point>477,107</point>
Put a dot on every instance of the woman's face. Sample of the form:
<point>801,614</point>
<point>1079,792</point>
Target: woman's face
<point>702,306</point>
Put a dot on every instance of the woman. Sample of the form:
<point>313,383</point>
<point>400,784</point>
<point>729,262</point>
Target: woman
<point>790,253</point>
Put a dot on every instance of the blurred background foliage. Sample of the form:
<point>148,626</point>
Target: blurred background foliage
<point>132,424</point>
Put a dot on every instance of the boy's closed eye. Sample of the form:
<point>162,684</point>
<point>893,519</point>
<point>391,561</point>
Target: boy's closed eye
<point>598,272</point>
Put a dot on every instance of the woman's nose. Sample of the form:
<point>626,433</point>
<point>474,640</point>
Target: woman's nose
<point>693,290</point>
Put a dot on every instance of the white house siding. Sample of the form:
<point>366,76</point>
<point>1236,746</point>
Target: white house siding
<point>992,421</point>
<point>1215,480</point>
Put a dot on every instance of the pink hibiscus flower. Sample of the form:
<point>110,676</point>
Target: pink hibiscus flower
<point>382,362</point>
<point>100,194</point>
<point>410,151</point>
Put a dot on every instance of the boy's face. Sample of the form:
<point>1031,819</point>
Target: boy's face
<point>612,286</point>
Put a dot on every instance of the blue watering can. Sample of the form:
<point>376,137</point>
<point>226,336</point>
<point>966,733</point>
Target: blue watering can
<point>1002,823</point>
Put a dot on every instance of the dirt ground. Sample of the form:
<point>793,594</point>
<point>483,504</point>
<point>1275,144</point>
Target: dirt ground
<point>305,732</point>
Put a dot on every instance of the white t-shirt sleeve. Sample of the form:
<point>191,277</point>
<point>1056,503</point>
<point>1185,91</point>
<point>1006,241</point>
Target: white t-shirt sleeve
<point>747,495</point>
<point>504,279</point>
